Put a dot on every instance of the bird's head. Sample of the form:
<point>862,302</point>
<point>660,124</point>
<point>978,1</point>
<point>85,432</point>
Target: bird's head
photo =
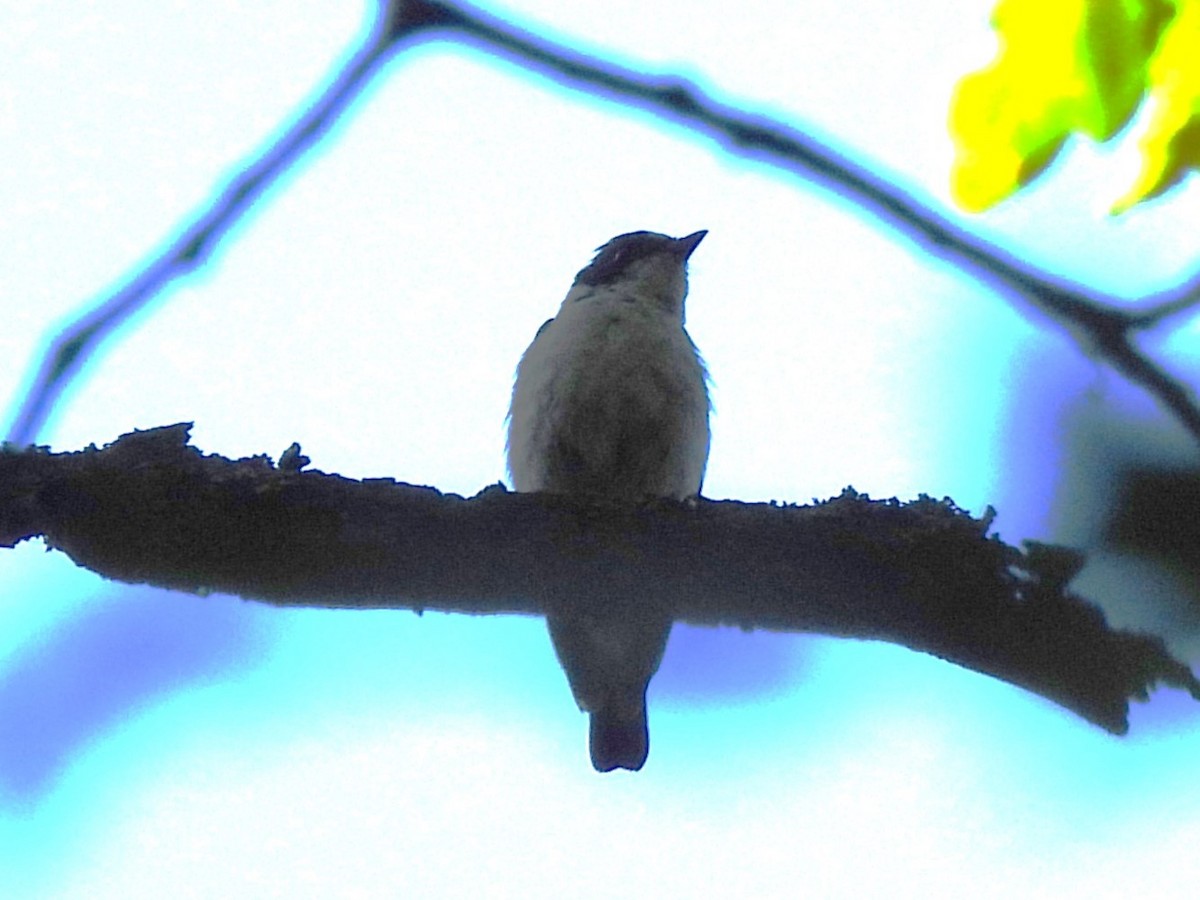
<point>643,264</point>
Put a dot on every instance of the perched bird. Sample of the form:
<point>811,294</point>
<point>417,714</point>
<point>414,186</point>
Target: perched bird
<point>611,400</point>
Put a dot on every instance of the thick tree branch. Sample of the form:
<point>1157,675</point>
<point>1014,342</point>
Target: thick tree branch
<point>151,509</point>
<point>1102,323</point>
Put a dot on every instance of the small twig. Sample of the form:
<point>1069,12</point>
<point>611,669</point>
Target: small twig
<point>1181,298</point>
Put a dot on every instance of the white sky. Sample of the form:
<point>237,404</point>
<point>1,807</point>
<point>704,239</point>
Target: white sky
<point>373,308</point>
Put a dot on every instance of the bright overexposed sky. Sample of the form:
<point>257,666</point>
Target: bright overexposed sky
<point>373,306</point>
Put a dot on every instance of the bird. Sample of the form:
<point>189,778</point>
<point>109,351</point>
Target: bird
<point>611,401</point>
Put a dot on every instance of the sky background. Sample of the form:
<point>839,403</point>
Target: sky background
<point>373,307</point>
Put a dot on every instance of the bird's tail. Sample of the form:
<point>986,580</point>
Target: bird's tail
<point>619,740</point>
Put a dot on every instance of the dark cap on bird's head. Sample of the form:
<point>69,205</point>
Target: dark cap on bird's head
<point>615,257</point>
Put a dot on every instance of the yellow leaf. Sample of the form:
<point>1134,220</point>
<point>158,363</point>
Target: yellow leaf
<point>1063,66</point>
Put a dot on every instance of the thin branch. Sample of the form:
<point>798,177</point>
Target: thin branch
<point>1097,319</point>
<point>1101,322</point>
<point>77,343</point>
<point>149,508</point>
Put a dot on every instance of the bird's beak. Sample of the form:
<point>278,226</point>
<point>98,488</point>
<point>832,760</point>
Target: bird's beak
<point>685,245</point>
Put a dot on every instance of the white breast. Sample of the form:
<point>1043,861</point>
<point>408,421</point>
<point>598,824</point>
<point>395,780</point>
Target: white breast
<point>610,400</point>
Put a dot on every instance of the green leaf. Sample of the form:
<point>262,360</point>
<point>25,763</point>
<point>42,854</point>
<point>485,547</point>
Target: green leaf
<point>1171,144</point>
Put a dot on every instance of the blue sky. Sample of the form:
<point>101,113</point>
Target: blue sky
<point>373,307</point>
